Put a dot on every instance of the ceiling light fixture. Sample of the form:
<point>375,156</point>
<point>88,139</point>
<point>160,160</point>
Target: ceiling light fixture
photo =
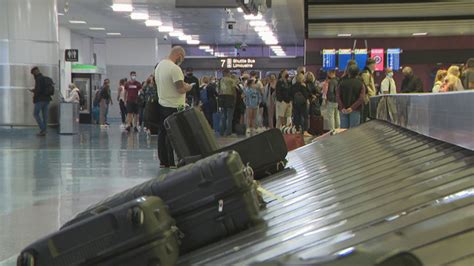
<point>122,7</point>
<point>253,17</point>
<point>257,23</point>
<point>153,23</point>
<point>114,33</point>
<point>193,42</point>
<point>139,16</point>
<point>240,10</point>
<point>420,33</point>
<point>210,50</point>
<point>204,47</point>
<point>165,29</point>
<point>344,35</point>
<point>184,38</point>
<point>263,34</point>
<point>176,33</point>
<point>275,47</point>
<point>271,42</point>
<point>60,14</point>
<point>262,29</point>
<point>96,28</point>
<point>77,22</point>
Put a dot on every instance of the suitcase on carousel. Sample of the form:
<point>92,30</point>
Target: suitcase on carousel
<point>265,152</point>
<point>190,135</point>
<point>210,200</point>
<point>139,232</point>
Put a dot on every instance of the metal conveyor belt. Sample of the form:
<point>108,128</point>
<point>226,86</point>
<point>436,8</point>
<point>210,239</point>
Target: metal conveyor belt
<point>378,187</point>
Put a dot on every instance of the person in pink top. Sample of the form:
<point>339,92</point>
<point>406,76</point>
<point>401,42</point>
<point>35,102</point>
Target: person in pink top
<point>132,87</point>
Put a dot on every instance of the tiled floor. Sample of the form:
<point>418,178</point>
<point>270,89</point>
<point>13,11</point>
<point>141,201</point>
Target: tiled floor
<point>45,181</point>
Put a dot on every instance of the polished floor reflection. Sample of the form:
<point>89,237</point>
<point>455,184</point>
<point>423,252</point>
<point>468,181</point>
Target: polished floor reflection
<point>45,181</point>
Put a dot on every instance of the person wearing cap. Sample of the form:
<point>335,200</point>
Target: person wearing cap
<point>192,97</point>
<point>367,76</point>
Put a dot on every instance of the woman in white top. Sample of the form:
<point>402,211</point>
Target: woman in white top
<point>388,84</point>
<point>74,96</point>
<point>121,100</point>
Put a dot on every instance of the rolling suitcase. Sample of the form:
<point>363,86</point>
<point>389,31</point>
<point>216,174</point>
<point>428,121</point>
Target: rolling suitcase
<point>265,152</point>
<point>210,200</point>
<point>190,134</point>
<point>139,232</point>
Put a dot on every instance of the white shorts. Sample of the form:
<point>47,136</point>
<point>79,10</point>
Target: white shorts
<point>283,109</point>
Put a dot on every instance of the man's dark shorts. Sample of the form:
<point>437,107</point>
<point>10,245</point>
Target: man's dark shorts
<point>132,108</point>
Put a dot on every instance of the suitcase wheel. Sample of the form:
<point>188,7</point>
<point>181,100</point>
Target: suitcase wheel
<point>137,216</point>
<point>26,259</point>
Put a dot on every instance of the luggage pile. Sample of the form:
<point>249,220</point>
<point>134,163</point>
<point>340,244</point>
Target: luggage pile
<point>213,196</point>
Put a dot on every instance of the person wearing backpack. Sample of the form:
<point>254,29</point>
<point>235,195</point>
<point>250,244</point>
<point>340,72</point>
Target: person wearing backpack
<point>44,89</point>
<point>300,96</point>
<point>204,99</point>
<point>367,76</point>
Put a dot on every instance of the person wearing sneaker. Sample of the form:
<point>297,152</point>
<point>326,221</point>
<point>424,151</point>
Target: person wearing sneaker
<point>171,95</point>
<point>105,100</point>
<point>132,88</point>
<point>252,99</point>
<point>41,98</point>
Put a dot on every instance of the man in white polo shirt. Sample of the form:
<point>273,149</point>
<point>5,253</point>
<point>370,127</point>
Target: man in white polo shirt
<point>172,95</point>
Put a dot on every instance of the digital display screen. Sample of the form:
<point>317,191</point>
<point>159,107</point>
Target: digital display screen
<point>378,55</point>
<point>344,56</point>
<point>360,56</point>
<point>329,59</point>
<point>393,58</point>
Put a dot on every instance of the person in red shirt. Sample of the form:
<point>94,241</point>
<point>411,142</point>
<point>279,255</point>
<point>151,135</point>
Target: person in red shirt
<point>132,87</point>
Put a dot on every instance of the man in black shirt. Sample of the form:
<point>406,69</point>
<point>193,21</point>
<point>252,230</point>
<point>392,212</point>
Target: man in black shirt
<point>41,98</point>
<point>283,97</point>
<point>411,83</point>
<point>192,97</point>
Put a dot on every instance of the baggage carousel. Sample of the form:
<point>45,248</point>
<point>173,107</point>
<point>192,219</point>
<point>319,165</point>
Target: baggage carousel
<point>376,189</point>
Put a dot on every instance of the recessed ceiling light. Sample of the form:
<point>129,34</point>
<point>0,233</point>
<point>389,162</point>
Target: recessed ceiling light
<point>96,28</point>
<point>262,29</point>
<point>240,10</point>
<point>193,42</point>
<point>114,33</point>
<point>204,47</point>
<point>344,35</point>
<point>253,17</point>
<point>77,22</point>
<point>60,14</point>
<point>265,34</point>
<point>139,16</point>
<point>210,50</point>
<point>153,23</point>
<point>122,7</point>
<point>257,23</point>
<point>420,33</point>
<point>184,38</point>
<point>165,29</point>
<point>176,33</point>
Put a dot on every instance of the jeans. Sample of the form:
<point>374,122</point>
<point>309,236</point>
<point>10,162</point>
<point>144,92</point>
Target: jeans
<point>165,150</point>
<point>300,117</point>
<point>365,113</point>
<point>41,107</point>
<point>227,117</point>
<point>350,120</point>
<point>332,116</point>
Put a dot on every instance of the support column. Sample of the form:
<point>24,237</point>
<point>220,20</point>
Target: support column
<point>28,37</point>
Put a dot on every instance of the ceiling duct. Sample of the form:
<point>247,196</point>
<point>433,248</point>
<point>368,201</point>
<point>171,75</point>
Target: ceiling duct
<point>254,6</point>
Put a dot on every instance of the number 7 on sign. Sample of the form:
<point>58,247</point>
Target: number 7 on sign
<point>222,63</point>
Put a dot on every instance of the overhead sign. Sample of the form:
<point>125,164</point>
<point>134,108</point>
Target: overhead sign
<point>393,58</point>
<point>71,55</point>
<point>345,55</point>
<point>360,56</point>
<point>329,59</point>
<point>238,63</point>
<point>378,54</point>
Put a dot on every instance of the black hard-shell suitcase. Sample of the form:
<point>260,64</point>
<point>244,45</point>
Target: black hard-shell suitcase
<point>190,134</point>
<point>193,139</point>
<point>210,200</point>
<point>265,152</point>
<point>140,232</point>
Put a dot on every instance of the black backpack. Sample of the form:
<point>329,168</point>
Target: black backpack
<point>49,86</point>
